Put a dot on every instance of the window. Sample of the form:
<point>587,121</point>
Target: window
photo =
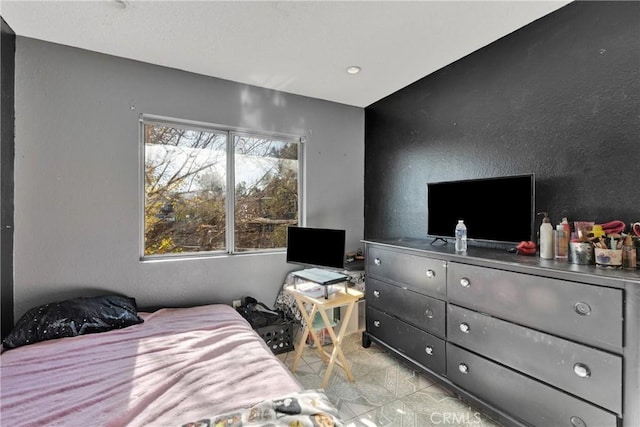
<point>213,189</point>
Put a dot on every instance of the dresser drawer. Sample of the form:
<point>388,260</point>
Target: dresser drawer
<point>421,274</point>
<point>585,313</point>
<point>584,371</point>
<point>423,348</point>
<point>426,313</point>
<point>532,401</point>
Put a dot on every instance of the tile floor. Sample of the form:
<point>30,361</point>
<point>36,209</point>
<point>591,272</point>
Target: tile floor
<point>386,393</point>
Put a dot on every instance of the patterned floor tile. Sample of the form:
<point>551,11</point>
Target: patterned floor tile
<point>394,414</point>
<point>440,407</point>
<point>343,409</point>
<point>399,380</point>
<point>352,342</point>
<point>385,393</point>
<point>363,395</point>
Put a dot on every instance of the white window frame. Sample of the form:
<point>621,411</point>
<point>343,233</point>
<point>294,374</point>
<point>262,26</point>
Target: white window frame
<point>230,196</point>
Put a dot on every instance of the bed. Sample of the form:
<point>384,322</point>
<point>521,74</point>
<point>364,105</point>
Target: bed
<point>200,366</point>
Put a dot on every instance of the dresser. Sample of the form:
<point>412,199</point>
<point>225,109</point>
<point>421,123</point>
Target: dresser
<point>531,341</point>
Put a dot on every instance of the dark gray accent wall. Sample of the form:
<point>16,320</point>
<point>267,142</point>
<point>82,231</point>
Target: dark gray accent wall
<point>559,98</point>
<point>7,115</point>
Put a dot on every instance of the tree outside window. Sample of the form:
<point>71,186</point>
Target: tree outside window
<point>266,191</point>
<point>189,190</point>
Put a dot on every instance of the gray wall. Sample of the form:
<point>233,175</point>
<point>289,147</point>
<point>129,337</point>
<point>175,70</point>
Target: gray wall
<point>7,65</point>
<point>559,98</point>
<point>76,175</point>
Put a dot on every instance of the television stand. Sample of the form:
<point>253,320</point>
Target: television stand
<point>439,238</point>
<point>322,277</point>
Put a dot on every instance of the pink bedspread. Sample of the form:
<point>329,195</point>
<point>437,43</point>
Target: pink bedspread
<point>178,366</point>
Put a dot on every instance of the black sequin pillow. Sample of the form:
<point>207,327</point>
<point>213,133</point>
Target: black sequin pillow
<point>72,317</point>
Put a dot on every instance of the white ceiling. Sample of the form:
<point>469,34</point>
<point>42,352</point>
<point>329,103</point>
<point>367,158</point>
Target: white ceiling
<point>301,47</point>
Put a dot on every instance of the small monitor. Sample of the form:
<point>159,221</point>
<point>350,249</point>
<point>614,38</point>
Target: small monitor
<point>316,247</point>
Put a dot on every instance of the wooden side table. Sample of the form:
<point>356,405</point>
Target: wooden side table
<point>344,297</point>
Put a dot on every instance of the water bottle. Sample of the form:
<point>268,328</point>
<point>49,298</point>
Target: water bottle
<point>461,236</point>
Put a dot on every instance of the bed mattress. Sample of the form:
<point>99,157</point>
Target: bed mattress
<point>179,365</point>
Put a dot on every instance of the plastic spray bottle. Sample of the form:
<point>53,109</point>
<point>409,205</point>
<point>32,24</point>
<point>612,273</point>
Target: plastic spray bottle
<point>567,227</point>
<point>561,249</point>
<point>546,237</point>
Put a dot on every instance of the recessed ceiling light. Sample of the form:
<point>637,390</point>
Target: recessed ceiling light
<point>354,69</point>
<point>122,4</point>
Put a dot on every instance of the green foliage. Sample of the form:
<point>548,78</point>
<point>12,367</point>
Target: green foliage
<point>185,204</point>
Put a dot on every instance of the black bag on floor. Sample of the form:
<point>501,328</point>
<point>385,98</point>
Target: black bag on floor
<point>258,314</point>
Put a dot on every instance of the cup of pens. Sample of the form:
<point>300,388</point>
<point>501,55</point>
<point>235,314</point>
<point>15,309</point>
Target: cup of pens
<point>610,258</point>
<point>608,252</point>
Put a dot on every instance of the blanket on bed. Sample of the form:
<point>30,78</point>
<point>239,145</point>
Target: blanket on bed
<point>180,364</point>
<point>308,408</point>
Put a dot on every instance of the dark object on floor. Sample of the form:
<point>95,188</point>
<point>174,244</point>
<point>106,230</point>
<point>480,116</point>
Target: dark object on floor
<point>258,314</point>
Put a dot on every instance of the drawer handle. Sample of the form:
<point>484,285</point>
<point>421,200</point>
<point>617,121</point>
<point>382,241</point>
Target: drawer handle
<point>431,274</point>
<point>428,313</point>
<point>463,368</point>
<point>582,308</point>
<point>376,294</point>
<point>376,323</point>
<point>464,327</point>
<point>429,350</point>
<point>582,370</point>
<point>377,261</point>
<point>464,282</point>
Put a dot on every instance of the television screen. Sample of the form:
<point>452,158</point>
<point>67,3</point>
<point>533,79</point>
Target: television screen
<point>318,247</point>
<point>500,209</point>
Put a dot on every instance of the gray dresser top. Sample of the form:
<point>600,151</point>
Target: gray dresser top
<point>502,259</point>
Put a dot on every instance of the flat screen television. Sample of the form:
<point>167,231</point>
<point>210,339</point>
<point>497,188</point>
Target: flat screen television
<point>316,247</point>
<point>498,209</point>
